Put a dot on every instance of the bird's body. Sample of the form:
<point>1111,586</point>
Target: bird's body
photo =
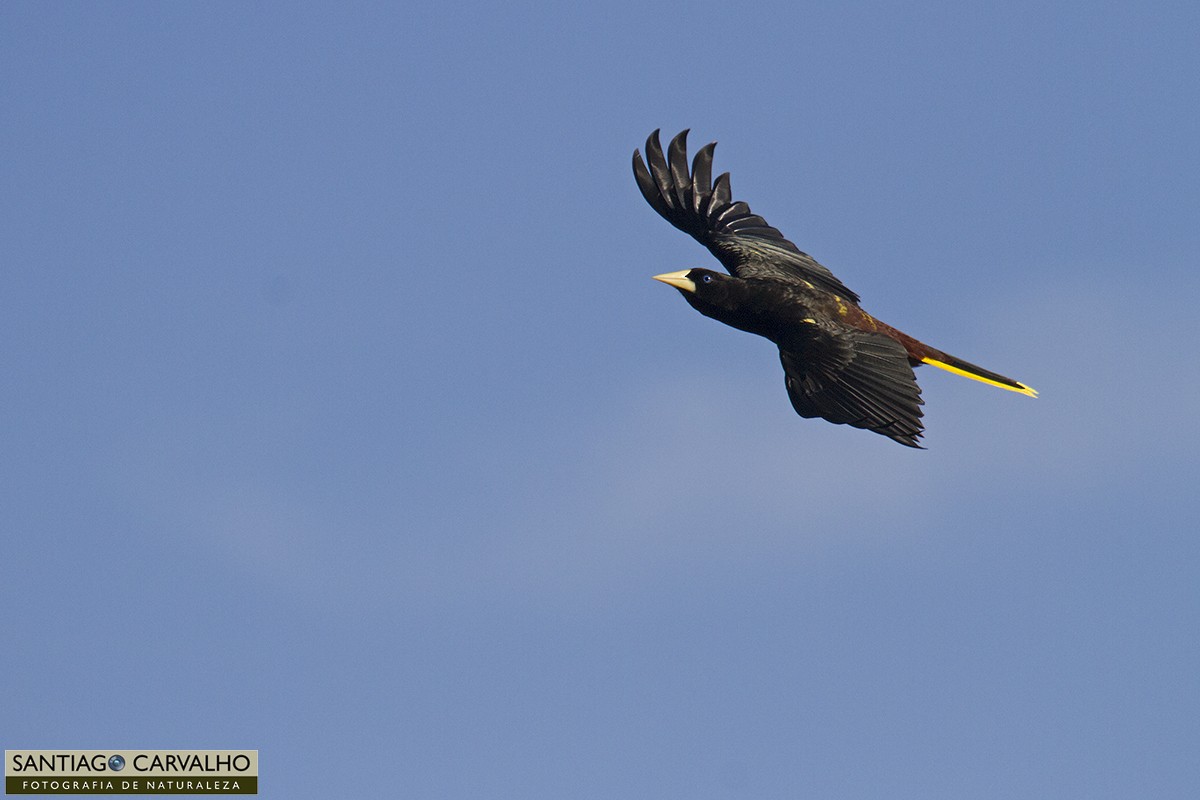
<point>841,364</point>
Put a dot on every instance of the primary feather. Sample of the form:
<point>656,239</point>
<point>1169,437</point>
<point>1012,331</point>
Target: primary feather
<point>741,240</point>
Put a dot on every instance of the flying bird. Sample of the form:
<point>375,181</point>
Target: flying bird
<point>840,363</point>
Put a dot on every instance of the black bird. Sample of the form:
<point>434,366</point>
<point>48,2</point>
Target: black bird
<point>840,363</point>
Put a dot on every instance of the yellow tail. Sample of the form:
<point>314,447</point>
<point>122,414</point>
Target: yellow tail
<point>968,370</point>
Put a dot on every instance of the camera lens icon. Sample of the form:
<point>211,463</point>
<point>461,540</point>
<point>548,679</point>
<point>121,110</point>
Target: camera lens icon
<point>116,763</point>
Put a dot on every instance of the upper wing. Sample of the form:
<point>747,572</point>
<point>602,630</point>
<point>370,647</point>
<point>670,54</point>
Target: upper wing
<point>743,241</point>
<point>853,377</point>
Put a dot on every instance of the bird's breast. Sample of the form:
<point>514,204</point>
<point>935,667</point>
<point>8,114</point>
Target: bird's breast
<point>770,315</point>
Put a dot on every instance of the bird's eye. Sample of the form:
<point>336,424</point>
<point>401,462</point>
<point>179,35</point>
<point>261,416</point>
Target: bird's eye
<point>707,279</point>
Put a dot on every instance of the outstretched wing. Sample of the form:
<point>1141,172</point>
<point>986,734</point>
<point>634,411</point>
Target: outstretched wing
<point>853,377</point>
<point>743,241</point>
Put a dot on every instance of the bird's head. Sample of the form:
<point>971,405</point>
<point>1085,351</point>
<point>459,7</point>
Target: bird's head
<point>742,303</point>
<point>698,284</point>
<point>706,291</point>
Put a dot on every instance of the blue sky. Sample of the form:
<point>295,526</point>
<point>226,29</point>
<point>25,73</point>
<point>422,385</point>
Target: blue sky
<point>343,421</point>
